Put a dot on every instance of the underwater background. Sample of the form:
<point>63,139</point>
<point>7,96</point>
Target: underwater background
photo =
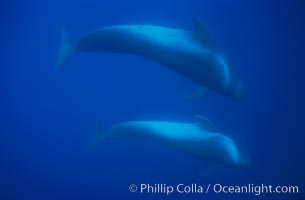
<point>48,116</point>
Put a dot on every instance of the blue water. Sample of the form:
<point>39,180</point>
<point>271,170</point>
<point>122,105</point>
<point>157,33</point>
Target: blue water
<point>48,117</point>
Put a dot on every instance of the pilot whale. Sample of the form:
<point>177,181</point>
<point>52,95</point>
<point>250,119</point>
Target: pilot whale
<point>193,54</point>
<point>199,140</point>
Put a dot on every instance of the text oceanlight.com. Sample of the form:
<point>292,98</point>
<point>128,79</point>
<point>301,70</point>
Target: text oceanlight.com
<point>194,188</point>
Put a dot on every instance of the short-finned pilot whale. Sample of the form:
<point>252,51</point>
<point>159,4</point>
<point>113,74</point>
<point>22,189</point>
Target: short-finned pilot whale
<point>199,140</point>
<point>193,54</point>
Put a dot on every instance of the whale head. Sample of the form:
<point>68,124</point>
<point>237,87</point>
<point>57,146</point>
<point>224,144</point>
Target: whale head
<point>215,146</point>
<point>229,153</point>
<point>214,72</point>
<point>223,150</point>
<point>231,84</point>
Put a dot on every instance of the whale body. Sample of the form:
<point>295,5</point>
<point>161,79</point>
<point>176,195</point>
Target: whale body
<point>193,54</point>
<point>199,140</point>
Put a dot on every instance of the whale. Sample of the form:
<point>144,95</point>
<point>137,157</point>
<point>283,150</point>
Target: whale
<point>192,54</point>
<point>200,140</point>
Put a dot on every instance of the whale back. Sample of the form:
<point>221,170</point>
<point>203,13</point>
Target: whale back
<point>107,39</point>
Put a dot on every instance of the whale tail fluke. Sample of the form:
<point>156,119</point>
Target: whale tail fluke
<point>98,137</point>
<point>66,49</point>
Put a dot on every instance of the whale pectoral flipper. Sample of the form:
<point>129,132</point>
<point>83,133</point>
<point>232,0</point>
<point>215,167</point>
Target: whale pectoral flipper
<point>207,124</point>
<point>66,49</point>
<point>98,137</point>
<point>203,34</point>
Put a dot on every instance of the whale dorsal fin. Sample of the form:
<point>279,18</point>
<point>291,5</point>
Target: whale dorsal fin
<point>207,124</point>
<point>203,34</point>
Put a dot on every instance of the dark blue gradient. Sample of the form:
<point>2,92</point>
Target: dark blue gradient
<point>48,117</point>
